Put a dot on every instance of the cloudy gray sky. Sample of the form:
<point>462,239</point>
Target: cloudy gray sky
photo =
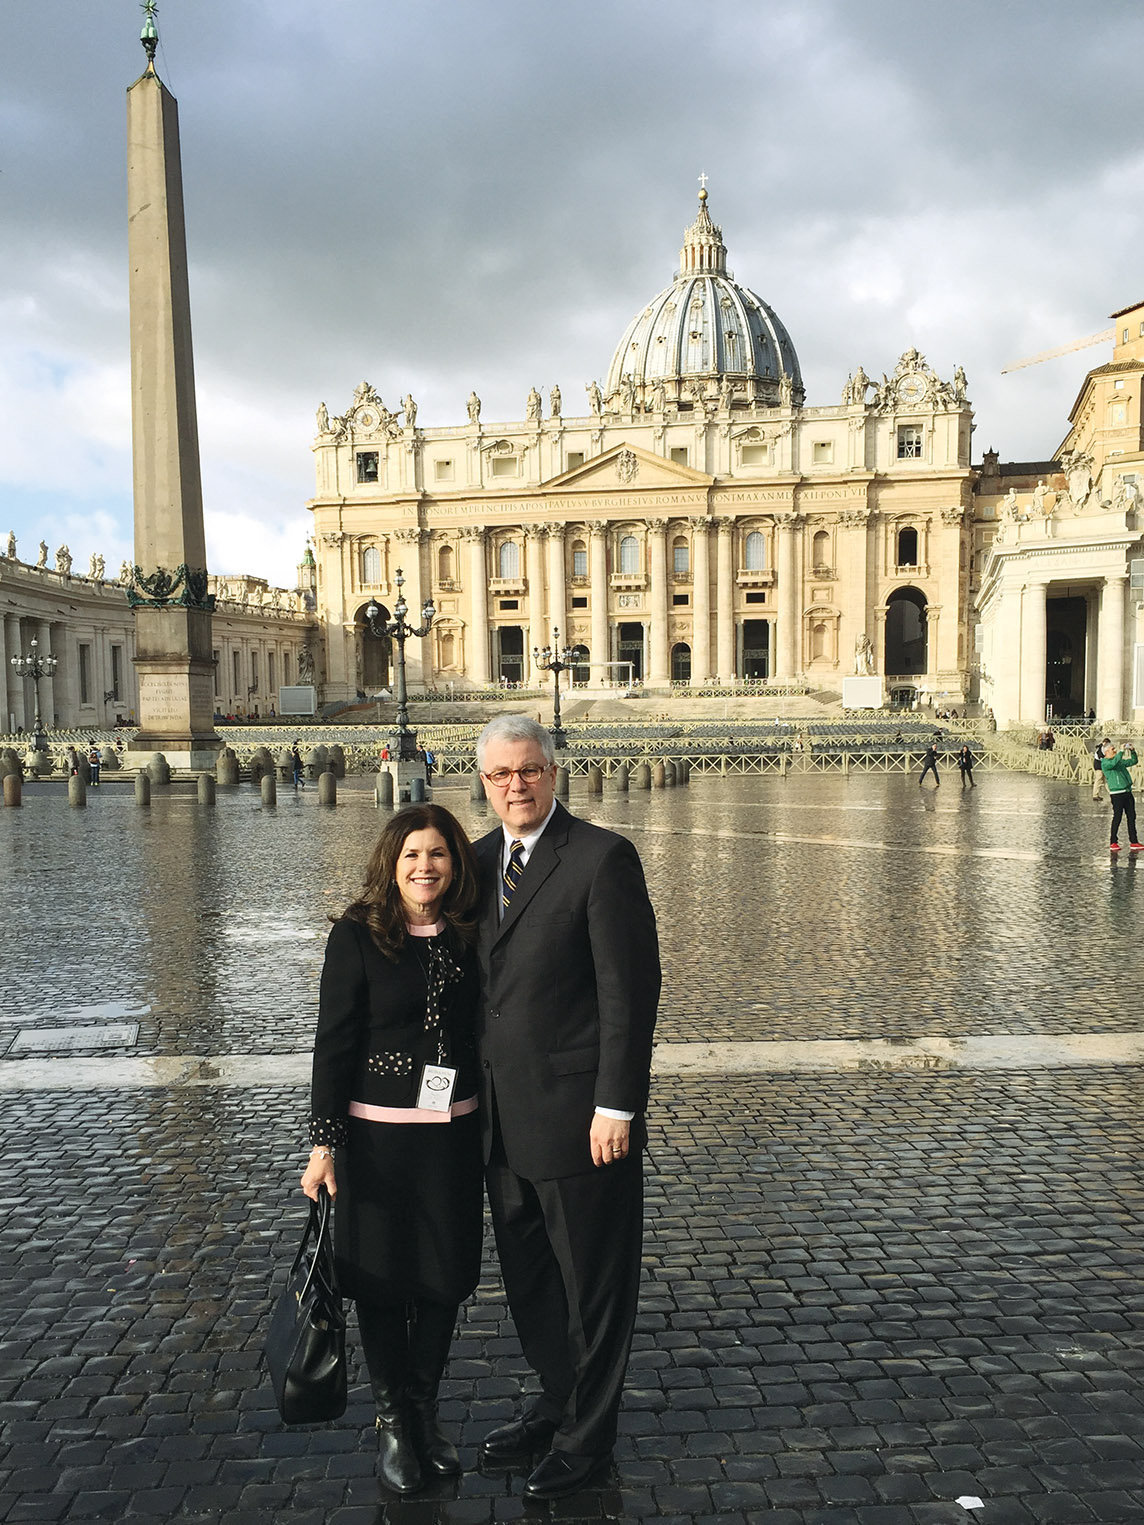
<point>437,195</point>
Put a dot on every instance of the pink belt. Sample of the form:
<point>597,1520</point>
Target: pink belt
<point>411,1114</point>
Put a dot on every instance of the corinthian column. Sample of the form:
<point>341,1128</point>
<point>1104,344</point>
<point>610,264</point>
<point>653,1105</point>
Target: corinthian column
<point>557,581</point>
<point>659,675</point>
<point>1110,650</point>
<point>786,656</point>
<point>418,661</point>
<point>477,655</point>
<point>539,635</point>
<point>598,566</point>
<point>701,600</point>
<point>725,602</point>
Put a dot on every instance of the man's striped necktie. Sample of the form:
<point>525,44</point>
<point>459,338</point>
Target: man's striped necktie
<point>512,872</point>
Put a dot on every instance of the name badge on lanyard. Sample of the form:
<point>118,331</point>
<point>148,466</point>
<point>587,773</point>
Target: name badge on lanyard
<point>437,1083</point>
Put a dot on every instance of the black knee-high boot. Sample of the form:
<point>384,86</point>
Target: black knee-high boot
<point>385,1340</point>
<point>430,1335</point>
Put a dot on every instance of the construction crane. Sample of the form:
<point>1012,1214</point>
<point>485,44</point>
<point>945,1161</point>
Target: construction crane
<point>1062,349</point>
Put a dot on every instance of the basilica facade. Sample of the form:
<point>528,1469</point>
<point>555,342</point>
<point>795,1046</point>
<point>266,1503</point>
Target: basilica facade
<point>695,522</point>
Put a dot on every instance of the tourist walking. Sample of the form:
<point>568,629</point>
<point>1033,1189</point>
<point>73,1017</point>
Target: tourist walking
<point>394,1104</point>
<point>929,764</point>
<point>1115,765</point>
<point>1098,771</point>
<point>296,767</point>
<point>93,762</point>
<point>965,764</point>
<point>570,982</point>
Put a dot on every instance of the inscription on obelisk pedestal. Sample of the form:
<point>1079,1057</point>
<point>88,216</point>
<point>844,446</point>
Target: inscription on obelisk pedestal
<point>172,607</point>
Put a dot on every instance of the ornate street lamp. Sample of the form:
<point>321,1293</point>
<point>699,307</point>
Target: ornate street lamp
<point>399,630</point>
<point>35,666</point>
<point>555,661</point>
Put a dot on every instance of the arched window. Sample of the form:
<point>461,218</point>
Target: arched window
<point>629,554</point>
<point>508,559</point>
<point>680,556</point>
<point>755,552</point>
<point>908,547</point>
<point>821,552</point>
<point>579,559</point>
<point>681,662</point>
<point>371,566</point>
<point>445,564</point>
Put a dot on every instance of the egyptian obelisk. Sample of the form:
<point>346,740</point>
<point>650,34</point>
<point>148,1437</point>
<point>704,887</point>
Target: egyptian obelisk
<point>173,655</point>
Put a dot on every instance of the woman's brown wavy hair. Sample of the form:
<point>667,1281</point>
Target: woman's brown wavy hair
<point>379,906</point>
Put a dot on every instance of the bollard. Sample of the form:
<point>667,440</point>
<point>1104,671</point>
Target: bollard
<point>658,775</point>
<point>159,769</point>
<point>13,789</point>
<point>206,789</point>
<point>669,774</point>
<point>641,778</point>
<point>476,789</point>
<point>417,791</point>
<point>723,767</point>
<point>595,780</point>
<point>83,769</point>
<point>142,788</point>
<point>562,782</point>
<point>109,760</point>
<point>261,763</point>
<point>226,769</point>
<point>785,769</point>
<point>383,793</point>
<point>337,761</point>
<point>622,775</point>
<point>77,791</point>
<point>327,788</point>
<point>284,763</point>
<point>269,787</point>
<point>683,771</point>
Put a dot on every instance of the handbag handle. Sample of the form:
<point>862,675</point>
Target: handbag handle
<point>321,1213</point>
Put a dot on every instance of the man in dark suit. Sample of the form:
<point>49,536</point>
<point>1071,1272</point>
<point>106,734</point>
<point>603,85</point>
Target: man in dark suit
<point>570,982</point>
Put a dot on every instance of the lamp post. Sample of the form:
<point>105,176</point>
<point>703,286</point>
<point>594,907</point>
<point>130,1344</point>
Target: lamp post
<point>399,630</point>
<point>555,661</point>
<point>35,666</point>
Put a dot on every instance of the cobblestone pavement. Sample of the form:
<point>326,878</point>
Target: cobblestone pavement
<point>866,1297</point>
<point>823,907</point>
<point>871,1298</point>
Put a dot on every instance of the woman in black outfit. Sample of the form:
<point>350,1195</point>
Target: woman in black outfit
<point>395,1027</point>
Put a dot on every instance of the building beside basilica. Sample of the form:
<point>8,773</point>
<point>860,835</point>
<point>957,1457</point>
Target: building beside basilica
<point>699,524</point>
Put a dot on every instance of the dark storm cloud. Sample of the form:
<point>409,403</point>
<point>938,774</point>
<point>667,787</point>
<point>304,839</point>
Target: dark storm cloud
<point>443,196</point>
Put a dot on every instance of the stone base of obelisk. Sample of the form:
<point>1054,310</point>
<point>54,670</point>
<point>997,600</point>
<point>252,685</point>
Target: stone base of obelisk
<point>175,668</point>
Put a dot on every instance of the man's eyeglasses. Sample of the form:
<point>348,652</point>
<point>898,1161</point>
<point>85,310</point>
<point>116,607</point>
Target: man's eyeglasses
<point>531,773</point>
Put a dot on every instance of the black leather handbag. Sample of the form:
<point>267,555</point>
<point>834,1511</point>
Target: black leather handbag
<point>306,1345</point>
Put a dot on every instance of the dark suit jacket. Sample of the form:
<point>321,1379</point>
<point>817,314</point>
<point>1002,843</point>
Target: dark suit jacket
<point>569,988</point>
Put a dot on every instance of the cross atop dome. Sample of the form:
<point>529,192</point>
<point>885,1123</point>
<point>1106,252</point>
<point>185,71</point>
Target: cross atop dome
<point>703,252</point>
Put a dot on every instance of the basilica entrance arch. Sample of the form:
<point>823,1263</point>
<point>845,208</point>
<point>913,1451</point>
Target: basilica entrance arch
<point>372,653</point>
<point>681,662</point>
<point>631,647</point>
<point>907,645</point>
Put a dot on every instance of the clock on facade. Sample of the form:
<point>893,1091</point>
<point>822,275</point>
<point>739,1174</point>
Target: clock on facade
<point>911,388</point>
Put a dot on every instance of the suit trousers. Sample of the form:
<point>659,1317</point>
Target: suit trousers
<point>570,1252</point>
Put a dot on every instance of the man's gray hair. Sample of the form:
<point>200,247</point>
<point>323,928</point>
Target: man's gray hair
<point>514,728</point>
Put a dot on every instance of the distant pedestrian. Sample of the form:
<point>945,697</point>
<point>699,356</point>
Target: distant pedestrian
<point>71,759</point>
<point>929,765</point>
<point>93,762</point>
<point>296,767</point>
<point>965,764</point>
<point>1098,771</point>
<point>1115,766</point>
<point>430,764</point>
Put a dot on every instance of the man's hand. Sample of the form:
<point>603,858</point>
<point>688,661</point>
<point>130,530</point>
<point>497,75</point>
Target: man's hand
<point>609,1139</point>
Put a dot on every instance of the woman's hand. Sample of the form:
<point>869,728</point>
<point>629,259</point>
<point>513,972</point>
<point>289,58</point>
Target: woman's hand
<point>319,1172</point>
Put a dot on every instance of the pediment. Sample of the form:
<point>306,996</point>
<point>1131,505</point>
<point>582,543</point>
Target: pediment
<point>627,466</point>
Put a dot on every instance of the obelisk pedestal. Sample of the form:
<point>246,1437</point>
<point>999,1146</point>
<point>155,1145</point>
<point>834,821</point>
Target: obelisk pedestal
<point>173,654</point>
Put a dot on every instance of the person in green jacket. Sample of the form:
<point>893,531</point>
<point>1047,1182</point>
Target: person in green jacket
<point>1115,765</point>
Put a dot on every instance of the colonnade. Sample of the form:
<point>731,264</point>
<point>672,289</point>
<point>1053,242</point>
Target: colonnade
<point>544,571</point>
<point>1020,651</point>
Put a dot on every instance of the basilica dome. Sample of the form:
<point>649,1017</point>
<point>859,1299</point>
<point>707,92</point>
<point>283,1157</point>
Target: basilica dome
<point>702,335</point>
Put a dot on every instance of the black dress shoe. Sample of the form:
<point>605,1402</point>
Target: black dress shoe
<point>564,1472</point>
<point>520,1437</point>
